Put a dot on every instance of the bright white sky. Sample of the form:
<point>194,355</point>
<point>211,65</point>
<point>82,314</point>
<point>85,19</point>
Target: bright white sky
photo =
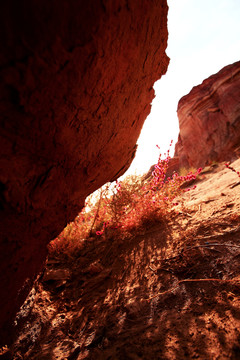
<point>204,36</point>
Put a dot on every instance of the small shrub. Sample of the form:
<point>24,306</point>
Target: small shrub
<point>185,171</point>
<point>126,206</point>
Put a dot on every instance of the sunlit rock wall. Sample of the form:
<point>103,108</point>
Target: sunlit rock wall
<point>209,119</point>
<point>76,86</point>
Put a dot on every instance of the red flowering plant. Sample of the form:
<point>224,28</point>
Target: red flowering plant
<point>136,201</point>
<point>128,204</point>
<point>232,169</point>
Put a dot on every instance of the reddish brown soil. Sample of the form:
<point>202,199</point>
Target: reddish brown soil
<point>170,292</point>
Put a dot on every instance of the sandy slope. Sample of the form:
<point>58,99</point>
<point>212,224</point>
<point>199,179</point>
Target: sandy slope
<point>171,292</point>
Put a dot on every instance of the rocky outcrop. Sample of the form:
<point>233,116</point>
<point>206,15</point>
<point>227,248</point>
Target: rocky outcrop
<point>209,119</point>
<point>76,86</point>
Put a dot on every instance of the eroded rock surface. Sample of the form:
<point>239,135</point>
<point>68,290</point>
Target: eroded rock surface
<point>76,87</point>
<point>209,119</point>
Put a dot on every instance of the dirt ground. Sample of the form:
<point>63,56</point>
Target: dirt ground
<point>170,292</point>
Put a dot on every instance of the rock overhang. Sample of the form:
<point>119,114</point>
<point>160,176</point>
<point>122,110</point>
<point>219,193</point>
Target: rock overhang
<point>76,88</point>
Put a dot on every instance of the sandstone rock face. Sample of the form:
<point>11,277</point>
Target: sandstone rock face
<point>76,87</point>
<point>209,119</point>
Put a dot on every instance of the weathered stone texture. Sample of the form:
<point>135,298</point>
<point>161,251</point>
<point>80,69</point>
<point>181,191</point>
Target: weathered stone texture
<point>209,119</point>
<point>76,86</point>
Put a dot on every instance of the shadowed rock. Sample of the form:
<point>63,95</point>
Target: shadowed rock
<point>76,86</point>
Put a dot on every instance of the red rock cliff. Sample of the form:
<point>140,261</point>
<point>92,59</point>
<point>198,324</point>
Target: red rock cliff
<point>76,86</point>
<point>209,119</point>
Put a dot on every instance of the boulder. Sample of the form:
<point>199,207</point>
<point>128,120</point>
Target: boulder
<point>209,120</point>
<point>76,86</point>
